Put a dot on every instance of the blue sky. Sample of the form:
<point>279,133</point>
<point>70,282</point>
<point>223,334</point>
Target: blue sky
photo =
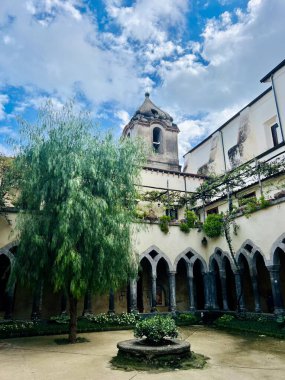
<point>201,60</point>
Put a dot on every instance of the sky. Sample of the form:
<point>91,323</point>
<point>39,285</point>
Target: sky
<point>201,60</point>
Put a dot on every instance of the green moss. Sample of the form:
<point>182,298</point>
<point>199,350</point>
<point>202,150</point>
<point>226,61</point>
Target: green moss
<point>164,363</point>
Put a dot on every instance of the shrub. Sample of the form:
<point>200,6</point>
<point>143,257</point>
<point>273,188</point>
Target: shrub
<point>156,329</point>
<point>187,319</point>
<point>213,225</point>
<point>60,319</point>
<point>164,223</point>
<point>184,227</point>
<point>225,318</point>
<point>191,218</point>
<point>104,319</point>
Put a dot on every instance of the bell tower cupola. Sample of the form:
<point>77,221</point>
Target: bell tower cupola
<point>156,127</point>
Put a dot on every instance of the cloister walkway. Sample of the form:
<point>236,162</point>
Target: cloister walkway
<point>231,357</point>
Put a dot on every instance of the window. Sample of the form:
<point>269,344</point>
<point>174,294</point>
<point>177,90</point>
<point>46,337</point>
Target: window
<point>276,134</point>
<point>172,212</point>
<point>214,210</point>
<point>247,198</point>
<point>157,140</point>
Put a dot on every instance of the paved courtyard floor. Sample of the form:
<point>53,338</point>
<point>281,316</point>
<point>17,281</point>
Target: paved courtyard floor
<point>232,357</point>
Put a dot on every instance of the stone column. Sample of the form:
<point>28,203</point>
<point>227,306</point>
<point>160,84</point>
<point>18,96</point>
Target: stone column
<point>172,291</point>
<point>239,291</point>
<point>87,303</point>
<point>9,302</point>
<point>274,271</point>
<point>255,293</point>
<point>133,296</point>
<point>153,293</point>
<point>190,283</point>
<point>223,278</point>
<point>63,304</point>
<point>111,302</point>
<point>37,302</point>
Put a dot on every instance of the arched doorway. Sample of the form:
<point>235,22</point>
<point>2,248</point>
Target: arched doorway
<point>182,291</point>
<point>162,285</point>
<point>230,284</point>
<point>144,286</point>
<point>246,284</point>
<point>279,259</point>
<point>218,285</point>
<point>5,268</point>
<point>198,284</point>
<point>264,284</point>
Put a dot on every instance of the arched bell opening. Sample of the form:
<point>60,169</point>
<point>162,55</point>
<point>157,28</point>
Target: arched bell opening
<point>157,140</point>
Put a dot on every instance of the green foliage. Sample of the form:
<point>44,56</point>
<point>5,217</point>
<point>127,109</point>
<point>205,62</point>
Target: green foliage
<point>8,183</point>
<point>104,319</point>
<point>9,329</point>
<point>187,319</point>
<point>251,324</point>
<point>184,227</point>
<point>225,318</point>
<point>156,329</point>
<point>164,223</point>
<point>191,218</point>
<point>190,221</point>
<point>61,319</point>
<point>77,201</point>
<point>253,204</point>
<point>213,225</point>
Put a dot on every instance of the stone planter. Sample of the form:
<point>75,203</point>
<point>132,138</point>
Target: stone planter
<point>140,348</point>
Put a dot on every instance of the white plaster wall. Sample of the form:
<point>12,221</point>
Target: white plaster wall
<point>175,181</point>
<point>193,161</point>
<point>7,234</point>
<point>261,116</point>
<point>279,81</point>
<point>263,228</point>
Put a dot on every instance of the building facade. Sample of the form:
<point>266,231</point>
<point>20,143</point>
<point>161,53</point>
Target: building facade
<point>190,272</point>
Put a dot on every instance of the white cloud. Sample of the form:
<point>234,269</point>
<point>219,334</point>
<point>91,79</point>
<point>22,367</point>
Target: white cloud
<point>124,116</point>
<point>7,131</point>
<point>64,56</point>
<point>4,99</point>
<point>51,47</point>
<point>239,49</point>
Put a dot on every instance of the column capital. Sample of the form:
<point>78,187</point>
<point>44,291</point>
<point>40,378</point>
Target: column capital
<point>273,268</point>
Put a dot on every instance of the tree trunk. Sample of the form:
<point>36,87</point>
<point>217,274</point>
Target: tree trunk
<point>73,318</point>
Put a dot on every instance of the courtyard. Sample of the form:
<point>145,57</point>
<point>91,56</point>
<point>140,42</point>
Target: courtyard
<point>230,357</point>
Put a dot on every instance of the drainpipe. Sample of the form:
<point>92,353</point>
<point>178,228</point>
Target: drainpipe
<point>224,155</point>
<point>277,107</point>
<point>230,206</point>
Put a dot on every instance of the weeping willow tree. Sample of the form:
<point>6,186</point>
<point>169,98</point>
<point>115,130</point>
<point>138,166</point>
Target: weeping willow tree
<point>77,200</point>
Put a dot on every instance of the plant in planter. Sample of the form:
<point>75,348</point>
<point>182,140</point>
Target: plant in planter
<point>213,225</point>
<point>189,222</point>
<point>164,223</point>
<point>156,330</point>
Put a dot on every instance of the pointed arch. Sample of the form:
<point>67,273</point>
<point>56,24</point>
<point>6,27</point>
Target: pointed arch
<point>186,255</point>
<point>154,259</point>
<point>278,245</point>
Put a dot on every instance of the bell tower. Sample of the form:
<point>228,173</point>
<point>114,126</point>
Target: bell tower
<point>156,127</point>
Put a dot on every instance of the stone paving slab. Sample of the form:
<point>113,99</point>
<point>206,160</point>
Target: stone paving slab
<point>232,357</point>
